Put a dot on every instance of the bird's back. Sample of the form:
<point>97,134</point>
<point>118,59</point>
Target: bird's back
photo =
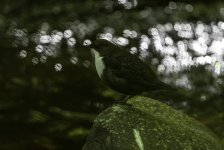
<point>127,73</point>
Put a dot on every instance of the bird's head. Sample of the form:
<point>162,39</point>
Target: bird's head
<point>102,47</point>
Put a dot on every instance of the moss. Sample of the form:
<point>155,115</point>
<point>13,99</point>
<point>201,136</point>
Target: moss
<point>148,124</point>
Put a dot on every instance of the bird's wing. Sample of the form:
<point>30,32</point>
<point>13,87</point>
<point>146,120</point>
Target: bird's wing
<point>130,68</point>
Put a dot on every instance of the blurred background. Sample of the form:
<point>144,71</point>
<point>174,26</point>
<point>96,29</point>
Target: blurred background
<point>49,90</point>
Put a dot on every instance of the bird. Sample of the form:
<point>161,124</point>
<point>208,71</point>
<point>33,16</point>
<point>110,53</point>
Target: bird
<point>122,71</point>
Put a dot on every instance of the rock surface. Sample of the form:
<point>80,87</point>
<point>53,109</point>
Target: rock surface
<point>147,124</point>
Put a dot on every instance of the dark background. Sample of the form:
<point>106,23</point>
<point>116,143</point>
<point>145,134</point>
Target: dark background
<point>41,108</point>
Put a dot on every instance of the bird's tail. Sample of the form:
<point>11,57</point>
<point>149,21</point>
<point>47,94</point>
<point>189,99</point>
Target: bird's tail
<point>157,89</point>
<point>165,92</point>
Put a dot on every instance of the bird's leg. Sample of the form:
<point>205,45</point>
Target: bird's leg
<point>123,100</point>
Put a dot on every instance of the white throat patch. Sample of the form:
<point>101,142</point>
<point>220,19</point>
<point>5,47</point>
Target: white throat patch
<point>100,66</point>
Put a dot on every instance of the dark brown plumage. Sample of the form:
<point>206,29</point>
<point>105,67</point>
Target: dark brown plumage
<point>124,72</point>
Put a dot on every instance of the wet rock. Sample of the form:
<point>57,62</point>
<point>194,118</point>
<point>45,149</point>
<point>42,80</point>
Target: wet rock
<point>147,124</point>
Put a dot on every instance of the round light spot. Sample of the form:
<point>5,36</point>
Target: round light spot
<point>87,42</point>
<point>44,39</point>
<point>74,60</point>
<point>86,63</point>
<point>23,54</point>
<point>71,41</point>
<point>133,50</point>
<point>35,60</point>
<point>39,48</point>
<point>43,59</point>
<point>68,34</point>
<point>58,67</point>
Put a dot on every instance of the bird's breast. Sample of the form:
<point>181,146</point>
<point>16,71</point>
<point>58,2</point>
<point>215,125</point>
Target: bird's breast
<point>100,66</point>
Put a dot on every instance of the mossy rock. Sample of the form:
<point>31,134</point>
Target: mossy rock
<point>147,124</point>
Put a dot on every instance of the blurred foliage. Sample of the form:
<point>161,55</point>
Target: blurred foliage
<point>44,109</point>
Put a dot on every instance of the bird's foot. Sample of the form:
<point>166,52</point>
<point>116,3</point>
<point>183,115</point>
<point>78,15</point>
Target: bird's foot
<point>123,100</point>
